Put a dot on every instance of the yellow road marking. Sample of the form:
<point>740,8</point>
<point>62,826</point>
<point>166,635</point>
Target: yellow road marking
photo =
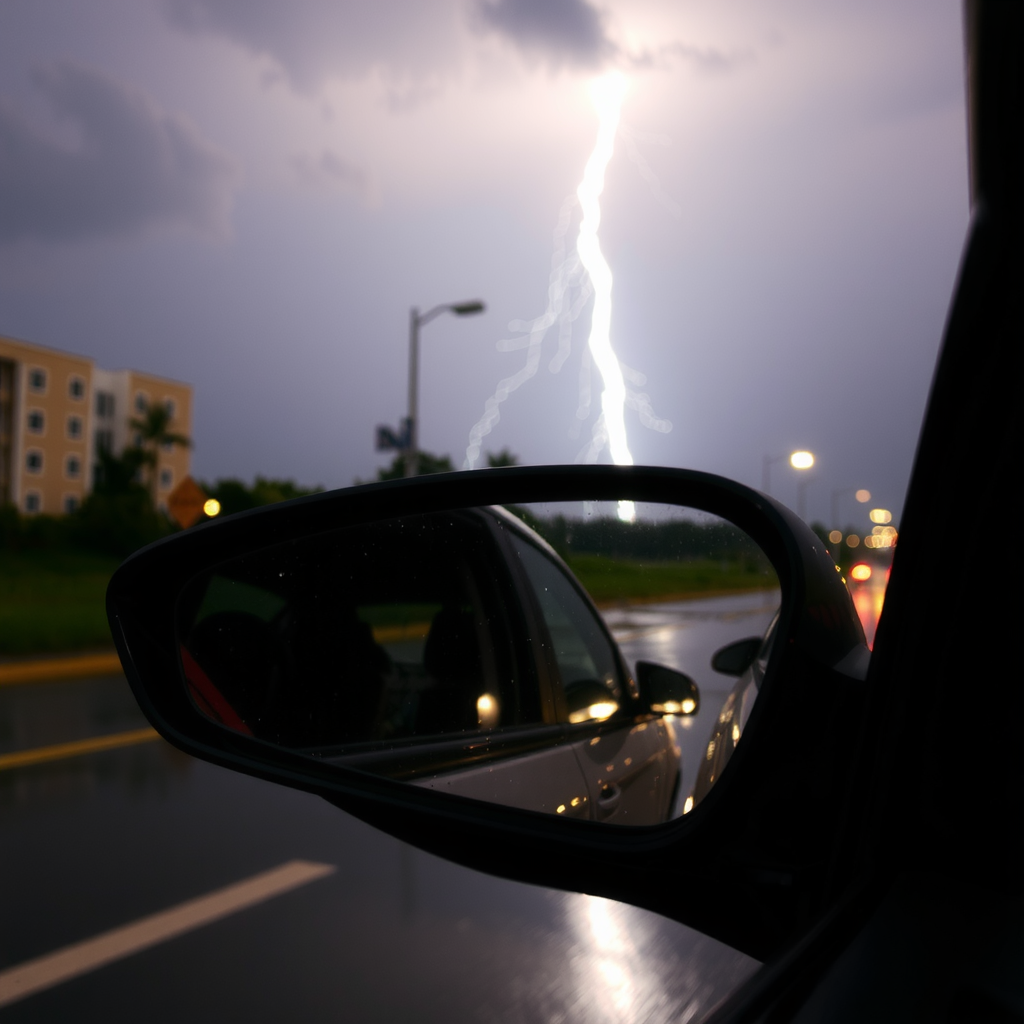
<point>58,751</point>
<point>16,672</point>
<point>46,971</point>
<point>395,634</point>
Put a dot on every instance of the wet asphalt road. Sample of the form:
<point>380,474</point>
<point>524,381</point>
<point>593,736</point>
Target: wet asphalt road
<point>93,842</point>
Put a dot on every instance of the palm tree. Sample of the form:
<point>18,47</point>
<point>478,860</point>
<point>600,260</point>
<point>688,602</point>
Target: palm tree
<point>153,432</point>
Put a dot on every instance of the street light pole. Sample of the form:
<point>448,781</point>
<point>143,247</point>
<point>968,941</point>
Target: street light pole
<point>412,439</point>
<point>416,321</point>
<point>801,497</point>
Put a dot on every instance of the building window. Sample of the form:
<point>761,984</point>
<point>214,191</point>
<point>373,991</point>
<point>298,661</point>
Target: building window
<point>72,467</point>
<point>70,503</point>
<point>37,380</point>
<point>171,406</point>
<point>34,460</point>
<point>75,427</point>
<point>166,479</point>
<point>76,387</point>
<point>104,404</point>
<point>141,401</point>
<point>36,421</point>
<point>33,502</point>
<point>104,440</point>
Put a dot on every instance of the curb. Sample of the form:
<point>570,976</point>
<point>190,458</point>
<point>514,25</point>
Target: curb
<point>50,669</point>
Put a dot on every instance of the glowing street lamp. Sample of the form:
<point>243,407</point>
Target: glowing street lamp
<point>798,460</point>
<point>416,321</point>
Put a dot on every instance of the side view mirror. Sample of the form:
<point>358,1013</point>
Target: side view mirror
<point>666,691</point>
<point>734,659</point>
<point>446,643</point>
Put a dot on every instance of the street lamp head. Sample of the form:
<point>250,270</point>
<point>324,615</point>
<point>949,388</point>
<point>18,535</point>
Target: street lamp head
<point>801,460</point>
<point>467,308</point>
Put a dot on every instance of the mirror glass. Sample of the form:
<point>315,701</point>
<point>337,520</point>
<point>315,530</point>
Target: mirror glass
<point>551,657</point>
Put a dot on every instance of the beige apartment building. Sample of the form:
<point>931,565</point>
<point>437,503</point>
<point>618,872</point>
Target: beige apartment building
<point>58,410</point>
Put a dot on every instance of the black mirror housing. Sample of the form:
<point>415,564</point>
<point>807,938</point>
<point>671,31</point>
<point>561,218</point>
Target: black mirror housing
<point>734,659</point>
<point>819,651</point>
<point>665,691</point>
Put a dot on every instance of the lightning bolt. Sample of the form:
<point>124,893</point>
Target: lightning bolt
<point>607,94</point>
<point>576,277</point>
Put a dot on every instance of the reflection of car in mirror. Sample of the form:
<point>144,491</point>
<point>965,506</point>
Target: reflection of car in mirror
<point>746,659</point>
<point>457,650</point>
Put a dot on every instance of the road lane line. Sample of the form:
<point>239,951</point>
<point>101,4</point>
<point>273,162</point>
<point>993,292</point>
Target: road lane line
<point>54,968</point>
<point>50,669</point>
<point>20,758</point>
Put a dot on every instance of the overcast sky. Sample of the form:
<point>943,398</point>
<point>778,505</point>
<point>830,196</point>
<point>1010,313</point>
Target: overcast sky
<point>250,196</point>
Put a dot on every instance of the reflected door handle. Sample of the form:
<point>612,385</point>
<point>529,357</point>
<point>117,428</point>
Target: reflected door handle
<point>608,799</point>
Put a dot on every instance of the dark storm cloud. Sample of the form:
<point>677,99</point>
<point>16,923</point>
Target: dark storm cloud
<point>563,31</point>
<point>574,33</point>
<point>131,164</point>
<point>314,40</point>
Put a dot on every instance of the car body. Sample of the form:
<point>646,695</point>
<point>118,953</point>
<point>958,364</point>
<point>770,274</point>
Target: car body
<point>747,659</point>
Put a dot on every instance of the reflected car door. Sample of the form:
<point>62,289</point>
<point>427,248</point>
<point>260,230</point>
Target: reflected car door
<point>628,758</point>
<point>517,752</point>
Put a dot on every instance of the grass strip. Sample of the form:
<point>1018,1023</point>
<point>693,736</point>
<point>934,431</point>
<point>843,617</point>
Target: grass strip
<point>618,579</point>
<point>52,601</point>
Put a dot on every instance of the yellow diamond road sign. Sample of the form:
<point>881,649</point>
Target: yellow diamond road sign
<point>185,503</point>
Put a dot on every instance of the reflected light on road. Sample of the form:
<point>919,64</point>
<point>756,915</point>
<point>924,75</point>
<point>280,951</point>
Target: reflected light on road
<point>626,967</point>
<point>614,979</point>
<point>868,594</point>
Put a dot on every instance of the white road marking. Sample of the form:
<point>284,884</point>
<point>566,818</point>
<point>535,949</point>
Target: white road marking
<point>53,968</point>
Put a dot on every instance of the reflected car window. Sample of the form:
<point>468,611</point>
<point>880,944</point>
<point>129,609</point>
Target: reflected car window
<point>383,632</point>
<point>582,650</point>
